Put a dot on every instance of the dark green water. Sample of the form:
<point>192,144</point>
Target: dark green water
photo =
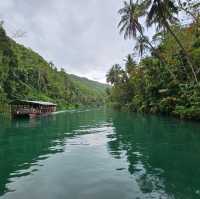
<point>99,154</point>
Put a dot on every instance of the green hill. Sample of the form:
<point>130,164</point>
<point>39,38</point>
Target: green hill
<point>88,85</point>
<point>24,74</point>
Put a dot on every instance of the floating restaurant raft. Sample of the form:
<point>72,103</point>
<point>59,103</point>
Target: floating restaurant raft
<point>31,109</point>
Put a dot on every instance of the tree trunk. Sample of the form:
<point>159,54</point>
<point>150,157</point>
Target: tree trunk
<point>158,55</point>
<point>183,49</point>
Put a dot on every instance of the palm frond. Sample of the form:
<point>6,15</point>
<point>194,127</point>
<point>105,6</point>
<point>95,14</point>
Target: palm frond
<point>141,45</point>
<point>129,24</point>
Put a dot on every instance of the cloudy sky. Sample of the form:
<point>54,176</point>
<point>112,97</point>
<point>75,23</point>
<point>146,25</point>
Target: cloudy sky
<point>78,35</point>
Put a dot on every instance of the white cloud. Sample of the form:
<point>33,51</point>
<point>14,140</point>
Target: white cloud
<point>80,36</point>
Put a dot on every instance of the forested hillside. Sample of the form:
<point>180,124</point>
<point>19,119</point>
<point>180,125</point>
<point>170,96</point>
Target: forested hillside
<point>24,74</point>
<point>166,79</point>
<point>89,86</point>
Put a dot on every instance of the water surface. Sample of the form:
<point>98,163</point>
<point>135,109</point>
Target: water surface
<point>99,154</point>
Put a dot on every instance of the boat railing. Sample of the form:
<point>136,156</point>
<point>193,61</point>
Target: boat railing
<point>32,110</point>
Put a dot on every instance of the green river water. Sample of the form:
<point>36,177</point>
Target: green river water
<point>99,154</point>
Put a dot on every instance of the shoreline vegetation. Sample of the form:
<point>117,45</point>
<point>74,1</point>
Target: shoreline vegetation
<point>166,78</point>
<point>161,76</point>
<point>25,75</point>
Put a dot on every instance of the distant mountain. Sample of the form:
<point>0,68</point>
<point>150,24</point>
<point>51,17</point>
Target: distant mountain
<point>24,74</point>
<point>90,85</point>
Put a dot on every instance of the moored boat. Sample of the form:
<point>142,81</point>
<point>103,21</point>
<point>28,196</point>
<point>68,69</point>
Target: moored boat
<point>31,109</point>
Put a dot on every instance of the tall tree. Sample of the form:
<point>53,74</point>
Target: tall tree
<point>130,26</point>
<point>115,75</point>
<point>162,13</point>
<point>141,45</point>
<point>130,64</point>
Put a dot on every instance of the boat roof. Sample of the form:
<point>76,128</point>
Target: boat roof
<point>32,102</point>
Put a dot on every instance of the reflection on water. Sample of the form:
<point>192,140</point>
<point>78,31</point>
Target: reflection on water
<point>163,154</point>
<point>99,154</point>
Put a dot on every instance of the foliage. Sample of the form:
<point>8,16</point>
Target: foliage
<point>24,74</point>
<point>166,79</point>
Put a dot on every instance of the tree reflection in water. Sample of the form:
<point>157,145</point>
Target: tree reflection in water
<point>162,153</point>
<point>24,143</point>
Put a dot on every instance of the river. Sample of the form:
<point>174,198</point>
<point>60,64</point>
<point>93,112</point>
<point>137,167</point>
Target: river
<point>99,154</point>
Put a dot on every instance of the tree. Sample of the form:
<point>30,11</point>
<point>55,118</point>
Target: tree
<point>130,64</point>
<point>130,25</point>
<point>141,45</point>
<point>162,13</point>
<point>115,75</point>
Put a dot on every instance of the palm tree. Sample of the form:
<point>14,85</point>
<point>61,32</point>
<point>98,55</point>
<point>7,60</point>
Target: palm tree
<point>130,64</point>
<point>115,75</point>
<point>162,13</point>
<point>130,25</point>
<point>141,45</point>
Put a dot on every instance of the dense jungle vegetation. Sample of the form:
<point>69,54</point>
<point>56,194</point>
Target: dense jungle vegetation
<point>24,74</point>
<point>166,77</point>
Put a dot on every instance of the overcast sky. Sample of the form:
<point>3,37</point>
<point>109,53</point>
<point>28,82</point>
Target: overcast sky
<point>79,35</point>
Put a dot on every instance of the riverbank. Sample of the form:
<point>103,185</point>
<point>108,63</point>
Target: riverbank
<point>4,108</point>
<point>180,112</point>
<point>166,78</point>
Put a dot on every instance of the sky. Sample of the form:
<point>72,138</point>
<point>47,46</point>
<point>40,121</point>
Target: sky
<point>80,36</point>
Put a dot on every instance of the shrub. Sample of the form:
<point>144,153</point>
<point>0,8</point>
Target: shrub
<point>183,112</point>
<point>167,105</point>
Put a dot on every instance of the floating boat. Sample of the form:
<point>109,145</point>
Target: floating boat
<point>31,109</point>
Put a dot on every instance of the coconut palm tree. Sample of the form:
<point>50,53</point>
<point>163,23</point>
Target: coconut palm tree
<point>115,75</point>
<point>130,64</point>
<point>162,13</point>
<point>130,26</point>
<point>141,45</point>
